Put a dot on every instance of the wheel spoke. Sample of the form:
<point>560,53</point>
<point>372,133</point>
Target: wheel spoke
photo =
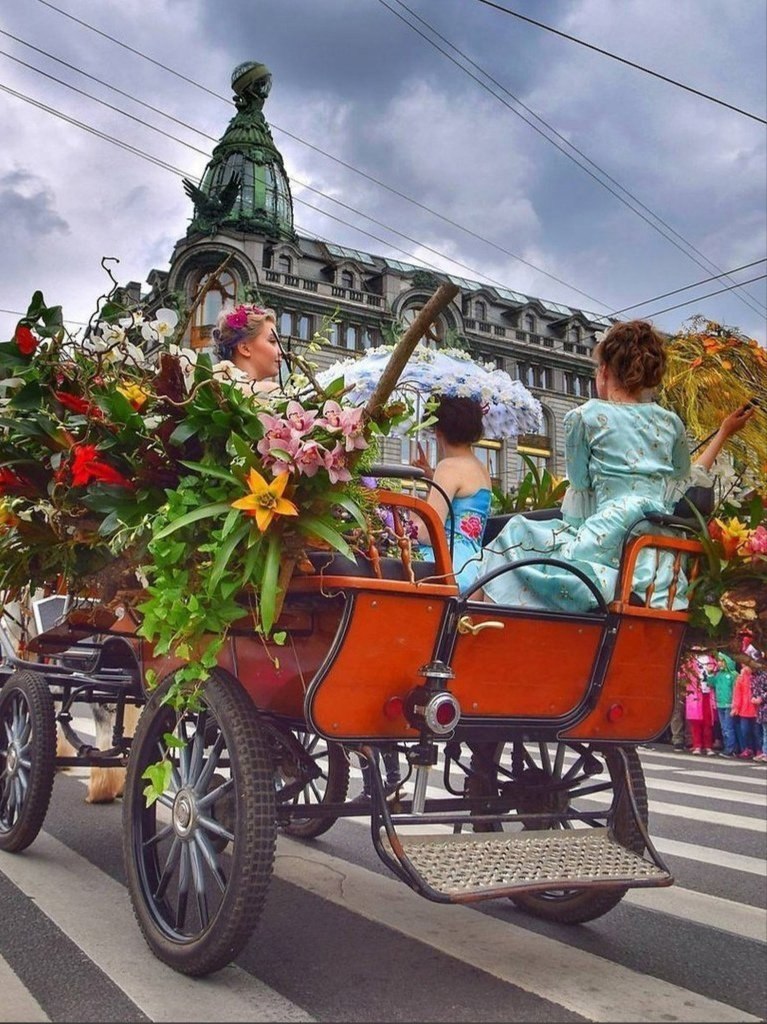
<point>210,765</point>
<point>170,865</point>
<point>198,880</point>
<point>157,837</point>
<point>210,857</point>
<point>211,825</point>
<point>559,760</point>
<point>215,794</point>
<point>198,750</point>
<point>183,887</point>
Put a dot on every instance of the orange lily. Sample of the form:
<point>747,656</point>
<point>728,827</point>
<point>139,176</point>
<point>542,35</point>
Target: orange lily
<point>265,501</point>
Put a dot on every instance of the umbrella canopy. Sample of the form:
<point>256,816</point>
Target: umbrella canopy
<point>509,408</point>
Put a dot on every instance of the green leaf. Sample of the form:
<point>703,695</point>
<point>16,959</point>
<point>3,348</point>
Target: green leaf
<point>225,552</point>
<point>183,432</point>
<point>352,508</point>
<point>713,613</point>
<point>312,526</point>
<point>221,474</point>
<point>159,776</point>
<point>280,637</point>
<point>268,593</point>
<point>206,512</point>
<point>254,552</point>
<point>171,741</point>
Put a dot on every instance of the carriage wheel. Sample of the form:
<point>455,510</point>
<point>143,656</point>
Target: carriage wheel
<point>330,787</point>
<point>199,860</point>
<point>27,758</point>
<point>544,766</point>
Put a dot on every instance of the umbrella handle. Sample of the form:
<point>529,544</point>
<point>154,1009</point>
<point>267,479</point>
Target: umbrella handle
<point>405,346</point>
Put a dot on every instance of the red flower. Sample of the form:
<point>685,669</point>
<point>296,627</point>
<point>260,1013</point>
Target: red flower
<point>87,466</point>
<point>471,526</point>
<point>79,405</point>
<point>9,481</point>
<point>25,340</point>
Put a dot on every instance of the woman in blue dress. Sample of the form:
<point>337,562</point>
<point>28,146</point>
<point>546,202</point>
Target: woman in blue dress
<point>465,481</point>
<point>625,456</point>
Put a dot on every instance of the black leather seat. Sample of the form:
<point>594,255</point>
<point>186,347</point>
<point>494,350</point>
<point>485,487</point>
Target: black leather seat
<point>330,563</point>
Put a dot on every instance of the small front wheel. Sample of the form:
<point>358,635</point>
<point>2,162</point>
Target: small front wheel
<point>27,758</point>
<point>200,859</point>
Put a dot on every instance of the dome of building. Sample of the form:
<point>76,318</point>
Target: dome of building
<point>245,186</point>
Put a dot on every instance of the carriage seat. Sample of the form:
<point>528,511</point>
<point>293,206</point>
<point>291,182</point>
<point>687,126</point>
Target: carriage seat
<point>331,563</point>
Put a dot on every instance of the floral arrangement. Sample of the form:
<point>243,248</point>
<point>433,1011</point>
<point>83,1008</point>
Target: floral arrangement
<point>509,408</point>
<point>165,481</point>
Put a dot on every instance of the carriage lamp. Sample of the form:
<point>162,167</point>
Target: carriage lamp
<point>439,711</point>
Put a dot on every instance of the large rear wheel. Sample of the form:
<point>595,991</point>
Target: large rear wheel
<point>200,859</point>
<point>27,758</point>
<point>326,769</point>
<point>536,778</point>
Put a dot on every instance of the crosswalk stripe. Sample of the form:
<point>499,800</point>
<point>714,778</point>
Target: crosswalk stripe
<point>710,792</point>
<point>66,887</point>
<point>702,908</point>
<point>545,967</point>
<point>759,782</point>
<point>18,1004</point>
<point>711,855</point>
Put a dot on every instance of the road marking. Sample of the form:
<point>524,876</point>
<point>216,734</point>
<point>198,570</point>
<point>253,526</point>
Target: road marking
<point>66,887</point>
<point>19,1005</point>
<point>711,911</point>
<point>710,792</point>
<point>711,855</point>
<point>572,978</point>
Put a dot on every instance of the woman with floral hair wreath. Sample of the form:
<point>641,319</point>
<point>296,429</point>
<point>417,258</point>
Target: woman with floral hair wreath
<point>248,347</point>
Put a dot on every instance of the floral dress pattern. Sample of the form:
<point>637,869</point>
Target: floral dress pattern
<point>470,518</point>
<point>623,460</point>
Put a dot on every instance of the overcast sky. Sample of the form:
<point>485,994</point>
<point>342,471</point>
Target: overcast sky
<point>353,79</point>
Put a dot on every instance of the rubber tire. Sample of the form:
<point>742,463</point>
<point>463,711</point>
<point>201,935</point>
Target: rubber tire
<point>250,862</point>
<point>335,793</point>
<point>33,688</point>
<point>579,906</point>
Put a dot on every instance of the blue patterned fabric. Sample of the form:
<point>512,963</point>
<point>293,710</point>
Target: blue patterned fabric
<point>623,460</point>
<point>470,518</point>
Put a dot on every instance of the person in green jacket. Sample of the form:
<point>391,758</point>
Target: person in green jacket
<point>722,682</point>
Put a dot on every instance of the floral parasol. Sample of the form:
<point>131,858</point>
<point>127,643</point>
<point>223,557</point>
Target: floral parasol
<point>509,407</point>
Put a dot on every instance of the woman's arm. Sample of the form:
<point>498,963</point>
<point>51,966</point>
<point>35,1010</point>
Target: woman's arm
<point>449,480</point>
<point>730,425</point>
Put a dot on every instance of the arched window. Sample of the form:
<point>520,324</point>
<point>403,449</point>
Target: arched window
<point>219,291</point>
<point>285,264</point>
<point>480,310</point>
<point>347,279</point>
<point>529,323</point>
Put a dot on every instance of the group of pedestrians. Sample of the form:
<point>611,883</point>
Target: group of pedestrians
<point>723,705</point>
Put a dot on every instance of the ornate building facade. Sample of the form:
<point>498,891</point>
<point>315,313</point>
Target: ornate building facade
<point>243,218</point>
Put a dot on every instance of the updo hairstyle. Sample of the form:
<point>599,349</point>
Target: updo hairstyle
<point>459,420</point>
<point>237,324</point>
<point>635,353</point>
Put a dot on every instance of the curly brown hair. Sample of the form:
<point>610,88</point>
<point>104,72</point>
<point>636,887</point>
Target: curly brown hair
<point>459,420</point>
<point>635,353</point>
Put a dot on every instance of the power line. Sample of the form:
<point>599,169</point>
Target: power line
<point>296,181</point>
<point>187,174</point>
<point>744,298</point>
<point>706,296</point>
<point>687,287</point>
<point>622,60</point>
<point>17,312</point>
<point>296,138</point>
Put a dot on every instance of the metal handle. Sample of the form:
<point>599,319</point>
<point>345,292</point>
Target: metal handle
<point>465,625</point>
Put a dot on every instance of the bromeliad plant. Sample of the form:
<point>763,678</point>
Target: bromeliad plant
<point>166,481</point>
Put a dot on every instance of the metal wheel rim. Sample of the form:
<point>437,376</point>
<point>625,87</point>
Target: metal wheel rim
<point>185,856</point>
<point>15,757</point>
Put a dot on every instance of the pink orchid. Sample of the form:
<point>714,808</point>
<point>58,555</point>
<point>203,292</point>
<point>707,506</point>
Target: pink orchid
<point>301,420</point>
<point>279,453</point>
<point>335,463</point>
<point>348,421</point>
<point>757,542</point>
<point>310,457</point>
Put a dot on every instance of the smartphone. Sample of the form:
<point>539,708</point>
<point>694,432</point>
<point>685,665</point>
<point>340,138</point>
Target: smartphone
<point>752,403</point>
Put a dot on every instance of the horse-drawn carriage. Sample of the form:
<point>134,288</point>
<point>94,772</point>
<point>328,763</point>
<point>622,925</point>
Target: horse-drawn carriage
<point>532,719</point>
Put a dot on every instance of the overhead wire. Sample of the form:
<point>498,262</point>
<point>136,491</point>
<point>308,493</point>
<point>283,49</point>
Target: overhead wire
<point>284,131</point>
<point>744,298</point>
<point>697,284</point>
<point>708,295</point>
<point>622,60</point>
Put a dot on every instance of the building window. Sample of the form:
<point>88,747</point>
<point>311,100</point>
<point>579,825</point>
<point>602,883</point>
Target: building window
<point>286,325</point>
<point>267,260</point>
<point>529,323</point>
<point>371,337</point>
<point>351,336</point>
<point>333,333</point>
<point>221,291</point>
<point>480,310</point>
<point>547,378</point>
<point>574,334</point>
<point>489,454</point>
<point>304,327</point>
<point>347,279</point>
<point>569,379</point>
<point>285,265</point>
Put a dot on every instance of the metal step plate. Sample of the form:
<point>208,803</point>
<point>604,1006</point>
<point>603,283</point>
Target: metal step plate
<point>487,864</point>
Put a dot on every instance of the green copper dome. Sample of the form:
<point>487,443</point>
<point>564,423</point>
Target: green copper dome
<point>245,186</point>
